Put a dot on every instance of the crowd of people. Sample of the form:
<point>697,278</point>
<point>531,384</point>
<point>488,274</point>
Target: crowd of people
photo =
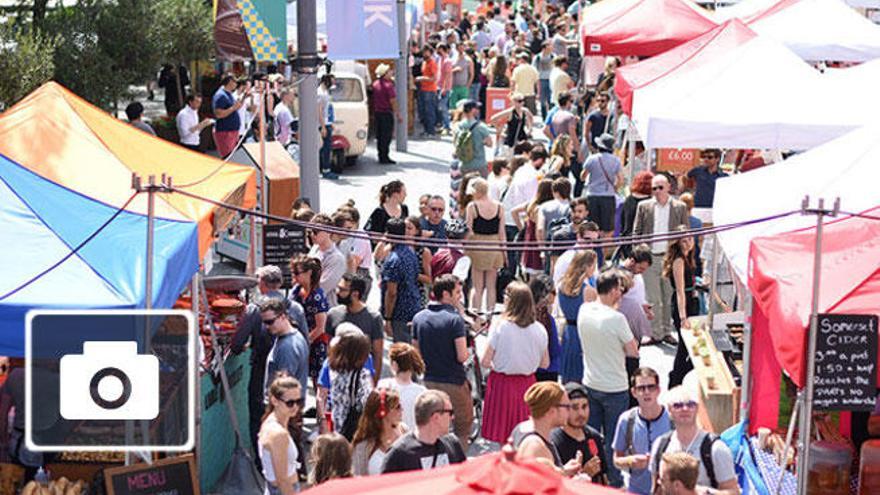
<point>525,248</point>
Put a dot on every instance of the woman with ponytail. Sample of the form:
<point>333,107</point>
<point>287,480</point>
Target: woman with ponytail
<point>391,198</point>
<point>278,452</point>
<point>381,424</point>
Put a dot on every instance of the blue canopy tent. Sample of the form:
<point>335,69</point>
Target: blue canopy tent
<point>42,222</point>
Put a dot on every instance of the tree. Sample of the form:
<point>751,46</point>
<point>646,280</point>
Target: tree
<point>105,46</point>
<point>25,62</point>
<point>184,32</point>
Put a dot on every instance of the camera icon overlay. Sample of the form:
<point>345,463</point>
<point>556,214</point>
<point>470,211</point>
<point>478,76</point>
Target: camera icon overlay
<point>110,380</point>
<point>121,384</point>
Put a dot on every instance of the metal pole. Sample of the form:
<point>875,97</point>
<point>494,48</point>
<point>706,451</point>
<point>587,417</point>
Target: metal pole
<point>806,392</point>
<point>713,282</point>
<point>438,11</point>
<point>151,205</point>
<point>264,179</point>
<point>794,414</point>
<point>307,66</point>
<point>746,384</point>
<point>631,149</point>
<point>402,78</point>
<point>197,421</point>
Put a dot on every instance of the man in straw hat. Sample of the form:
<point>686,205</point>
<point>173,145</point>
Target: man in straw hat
<point>385,109</point>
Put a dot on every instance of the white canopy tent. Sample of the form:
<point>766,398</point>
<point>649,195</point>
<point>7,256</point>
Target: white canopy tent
<point>863,78</point>
<point>756,94</point>
<point>814,29</point>
<point>845,167</point>
<point>745,8</point>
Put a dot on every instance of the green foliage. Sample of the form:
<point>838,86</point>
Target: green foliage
<point>25,62</point>
<point>105,46</point>
<point>184,30</point>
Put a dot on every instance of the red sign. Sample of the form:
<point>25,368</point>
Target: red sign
<point>679,160</point>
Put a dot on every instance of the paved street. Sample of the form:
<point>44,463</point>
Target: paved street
<point>424,169</point>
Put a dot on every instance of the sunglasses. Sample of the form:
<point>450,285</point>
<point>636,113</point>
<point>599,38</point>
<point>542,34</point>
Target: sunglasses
<point>678,406</point>
<point>294,402</point>
<point>645,388</point>
<point>438,210</point>
<point>450,412</point>
<point>658,188</point>
<point>269,321</point>
<point>299,272</point>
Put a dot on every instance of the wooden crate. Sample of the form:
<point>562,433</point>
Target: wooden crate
<point>721,402</point>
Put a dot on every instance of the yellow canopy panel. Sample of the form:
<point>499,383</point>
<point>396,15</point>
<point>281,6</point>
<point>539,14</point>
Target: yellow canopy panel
<point>73,143</point>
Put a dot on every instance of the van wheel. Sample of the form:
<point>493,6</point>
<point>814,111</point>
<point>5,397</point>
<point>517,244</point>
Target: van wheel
<point>351,161</point>
<point>337,161</point>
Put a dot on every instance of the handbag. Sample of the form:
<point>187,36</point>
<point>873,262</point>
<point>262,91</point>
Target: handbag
<point>349,426</point>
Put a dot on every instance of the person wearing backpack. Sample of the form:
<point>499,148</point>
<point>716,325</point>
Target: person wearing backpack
<point>636,430</point>
<point>717,473</point>
<point>471,138</point>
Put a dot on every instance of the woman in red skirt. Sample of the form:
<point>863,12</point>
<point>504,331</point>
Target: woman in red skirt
<point>517,348</point>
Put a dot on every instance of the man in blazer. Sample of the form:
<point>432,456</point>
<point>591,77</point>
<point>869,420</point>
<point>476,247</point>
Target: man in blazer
<point>659,215</point>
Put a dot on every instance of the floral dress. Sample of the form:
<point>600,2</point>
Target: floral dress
<point>313,303</point>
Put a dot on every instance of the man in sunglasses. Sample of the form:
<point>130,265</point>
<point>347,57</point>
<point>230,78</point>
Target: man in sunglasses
<point>290,351</point>
<point>704,175</point>
<point>433,221</point>
<point>637,429</point>
<point>660,215</point>
<point>717,474</point>
<point>430,445</point>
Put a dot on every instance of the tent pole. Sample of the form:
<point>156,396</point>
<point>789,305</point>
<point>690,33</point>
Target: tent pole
<point>713,282</point>
<point>788,437</point>
<point>151,205</point>
<point>264,181</point>
<point>197,400</point>
<point>631,150</point>
<point>745,399</point>
<point>806,413</point>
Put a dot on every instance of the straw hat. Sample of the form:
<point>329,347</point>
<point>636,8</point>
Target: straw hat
<point>382,69</point>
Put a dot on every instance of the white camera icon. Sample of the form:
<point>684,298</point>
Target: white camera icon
<point>109,380</point>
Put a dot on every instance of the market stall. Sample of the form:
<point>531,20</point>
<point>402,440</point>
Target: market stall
<point>747,92</point>
<point>816,30</point>
<point>630,27</point>
<point>106,273</point>
<point>88,151</point>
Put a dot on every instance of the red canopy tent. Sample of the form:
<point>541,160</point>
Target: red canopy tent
<point>489,474</point>
<point>642,28</point>
<point>706,47</point>
<point>780,279</point>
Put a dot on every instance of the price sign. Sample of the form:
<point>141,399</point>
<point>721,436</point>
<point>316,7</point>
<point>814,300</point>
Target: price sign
<point>174,475</point>
<point>679,160</point>
<point>280,242</point>
<point>846,363</point>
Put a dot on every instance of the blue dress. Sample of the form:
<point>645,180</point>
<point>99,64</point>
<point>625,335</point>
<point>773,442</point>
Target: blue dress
<point>571,368</point>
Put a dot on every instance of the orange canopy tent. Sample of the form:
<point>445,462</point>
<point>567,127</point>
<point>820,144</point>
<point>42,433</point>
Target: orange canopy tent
<point>65,139</point>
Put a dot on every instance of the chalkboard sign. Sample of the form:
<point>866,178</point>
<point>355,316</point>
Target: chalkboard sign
<point>280,242</point>
<point>175,475</point>
<point>846,363</point>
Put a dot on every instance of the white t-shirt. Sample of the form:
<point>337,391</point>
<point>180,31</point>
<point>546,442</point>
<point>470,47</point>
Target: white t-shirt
<point>722,459</point>
<point>603,332</point>
<point>374,464</point>
<point>562,264</point>
<point>518,350</point>
<point>408,395</point>
<point>497,185</point>
<point>523,187</point>
<point>187,118</point>
<point>283,119</point>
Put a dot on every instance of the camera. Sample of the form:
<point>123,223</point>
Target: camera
<point>109,380</point>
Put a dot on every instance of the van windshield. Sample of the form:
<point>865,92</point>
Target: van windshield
<point>347,90</point>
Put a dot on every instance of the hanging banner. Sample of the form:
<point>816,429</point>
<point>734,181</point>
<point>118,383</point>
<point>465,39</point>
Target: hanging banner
<point>250,30</point>
<point>229,37</point>
<point>364,29</point>
<point>265,24</point>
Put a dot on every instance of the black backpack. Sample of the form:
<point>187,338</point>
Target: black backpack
<point>705,456</point>
<point>560,231</point>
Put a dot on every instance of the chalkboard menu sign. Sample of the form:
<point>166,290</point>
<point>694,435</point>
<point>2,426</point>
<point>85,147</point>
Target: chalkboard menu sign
<point>175,475</point>
<point>280,242</point>
<point>846,363</point>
